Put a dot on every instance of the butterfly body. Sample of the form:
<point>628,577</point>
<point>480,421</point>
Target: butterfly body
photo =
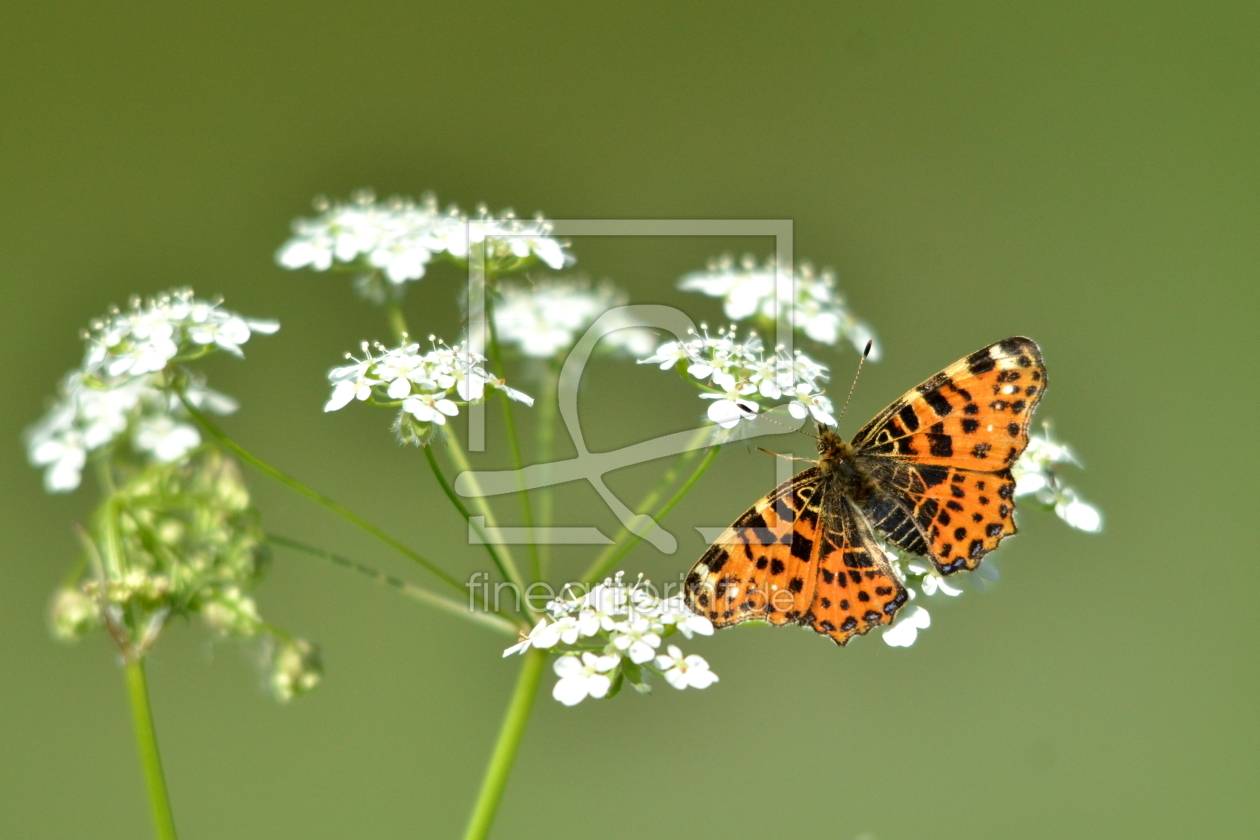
<point>930,474</point>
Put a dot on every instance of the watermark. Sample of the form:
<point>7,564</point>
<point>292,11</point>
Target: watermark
<point>485,594</point>
<point>593,466</point>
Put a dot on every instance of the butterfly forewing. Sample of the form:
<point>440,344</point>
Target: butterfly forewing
<point>763,566</point>
<point>973,415</point>
<point>941,454</point>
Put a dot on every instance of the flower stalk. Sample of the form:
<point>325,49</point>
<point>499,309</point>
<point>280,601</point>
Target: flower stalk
<point>150,758</point>
<point>625,540</point>
<point>319,498</point>
<point>507,745</point>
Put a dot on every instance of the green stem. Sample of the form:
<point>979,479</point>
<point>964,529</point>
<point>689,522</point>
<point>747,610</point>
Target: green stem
<point>146,740</point>
<point>397,323</point>
<point>424,596</point>
<point>546,436</point>
<point>456,450</point>
<point>463,511</point>
<point>625,541</point>
<point>319,498</point>
<point>514,442</point>
<point>495,780</point>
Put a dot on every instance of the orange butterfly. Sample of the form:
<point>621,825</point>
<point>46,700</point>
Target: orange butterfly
<point>931,474</point>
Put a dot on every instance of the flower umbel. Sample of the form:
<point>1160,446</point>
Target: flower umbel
<point>742,379</point>
<point>427,387</point>
<point>125,389</point>
<point>544,319</point>
<point>398,238</point>
<point>814,305</point>
<point>612,634</point>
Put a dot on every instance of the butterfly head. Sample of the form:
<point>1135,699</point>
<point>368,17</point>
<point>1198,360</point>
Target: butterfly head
<point>831,447</point>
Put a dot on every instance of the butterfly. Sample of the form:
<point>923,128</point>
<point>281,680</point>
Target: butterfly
<point>931,474</point>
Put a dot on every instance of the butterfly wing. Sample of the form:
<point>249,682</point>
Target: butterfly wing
<point>763,567</point>
<point>857,589</point>
<point>941,455</point>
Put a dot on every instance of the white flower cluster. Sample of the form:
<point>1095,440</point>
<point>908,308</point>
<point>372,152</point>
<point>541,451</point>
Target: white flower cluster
<point>119,391</point>
<point>1036,475</point>
<point>427,387</point>
<point>400,237</point>
<point>814,304</point>
<point>546,318</point>
<point>612,635</point>
<point>739,375</point>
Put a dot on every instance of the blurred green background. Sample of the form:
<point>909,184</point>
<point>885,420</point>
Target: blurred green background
<point>1085,174</point>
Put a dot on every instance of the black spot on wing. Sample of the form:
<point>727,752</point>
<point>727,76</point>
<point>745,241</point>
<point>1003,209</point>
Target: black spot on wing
<point>1011,346</point>
<point>908,418</point>
<point>980,362</point>
<point>933,397</point>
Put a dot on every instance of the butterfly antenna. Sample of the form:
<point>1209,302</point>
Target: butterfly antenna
<point>869,344</point>
<point>777,422</point>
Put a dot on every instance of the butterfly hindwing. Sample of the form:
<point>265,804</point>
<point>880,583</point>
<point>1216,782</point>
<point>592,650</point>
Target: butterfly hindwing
<point>941,455</point>
<point>857,589</point>
<point>763,566</point>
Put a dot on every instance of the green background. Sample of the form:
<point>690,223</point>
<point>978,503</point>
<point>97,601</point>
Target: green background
<point>1085,174</point>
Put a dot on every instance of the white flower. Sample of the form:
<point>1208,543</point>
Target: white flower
<point>685,671</point>
<point>64,453</point>
<point>582,678</point>
<point>808,403</point>
<point>547,318</point>
<point>165,438</point>
<point>513,394</point>
<point>812,303</point>
<point>507,236</point>
<point>350,383</point>
<point>430,408</point>
<point>674,611</point>
<point>638,639</point>
<point>1080,515</point>
<point>731,407</point>
<point>629,622</point>
<point>668,355</point>
<point>602,608</point>
<point>931,582</point>
<point>546,634</point>
<point>906,628</point>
